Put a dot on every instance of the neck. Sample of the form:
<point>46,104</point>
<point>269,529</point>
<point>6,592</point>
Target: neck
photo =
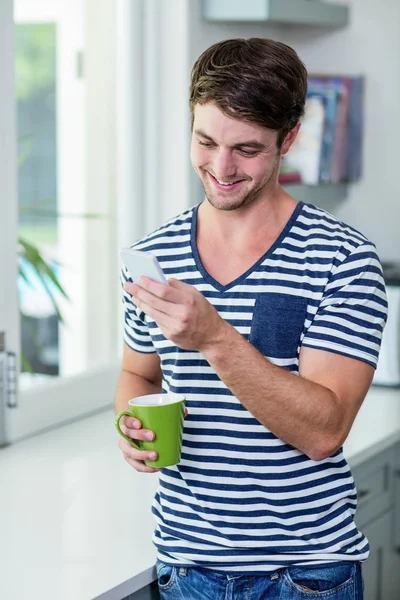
<point>246,226</point>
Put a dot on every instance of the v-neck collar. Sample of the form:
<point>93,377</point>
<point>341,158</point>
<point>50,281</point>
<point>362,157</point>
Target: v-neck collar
<point>208,278</point>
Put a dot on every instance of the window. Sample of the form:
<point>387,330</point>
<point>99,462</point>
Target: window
<point>35,83</point>
<point>66,211</point>
<point>97,172</point>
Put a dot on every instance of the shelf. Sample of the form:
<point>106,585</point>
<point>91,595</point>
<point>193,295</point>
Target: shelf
<point>294,12</point>
<point>320,194</point>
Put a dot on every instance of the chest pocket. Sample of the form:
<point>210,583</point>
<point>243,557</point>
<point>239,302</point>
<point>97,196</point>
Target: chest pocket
<point>277,324</point>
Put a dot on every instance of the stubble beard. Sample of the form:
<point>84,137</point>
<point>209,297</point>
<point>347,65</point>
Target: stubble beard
<point>240,202</point>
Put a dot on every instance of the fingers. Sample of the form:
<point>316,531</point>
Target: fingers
<point>164,313</point>
<point>140,466</point>
<point>156,296</point>
<point>136,458</point>
<point>133,429</point>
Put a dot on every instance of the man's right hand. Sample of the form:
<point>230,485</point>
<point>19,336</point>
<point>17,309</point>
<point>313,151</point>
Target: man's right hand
<point>133,428</point>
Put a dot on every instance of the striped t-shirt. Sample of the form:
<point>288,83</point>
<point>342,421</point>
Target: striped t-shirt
<point>241,499</point>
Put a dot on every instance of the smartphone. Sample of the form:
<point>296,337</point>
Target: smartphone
<point>139,262</point>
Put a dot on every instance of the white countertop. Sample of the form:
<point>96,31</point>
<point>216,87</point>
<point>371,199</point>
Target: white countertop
<point>378,418</point>
<point>75,518</point>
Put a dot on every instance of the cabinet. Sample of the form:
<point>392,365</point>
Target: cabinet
<point>381,571</point>
<point>149,592</point>
<point>378,487</point>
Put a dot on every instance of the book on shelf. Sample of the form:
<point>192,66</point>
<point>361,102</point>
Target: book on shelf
<point>305,154</point>
<point>328,147</point>
<point>353,151</point>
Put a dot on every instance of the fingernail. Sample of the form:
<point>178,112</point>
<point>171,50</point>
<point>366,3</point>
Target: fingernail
<point>153,455</point>
<point>149,435</point>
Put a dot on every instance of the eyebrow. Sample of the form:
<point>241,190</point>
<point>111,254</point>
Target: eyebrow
<point>248,144</point>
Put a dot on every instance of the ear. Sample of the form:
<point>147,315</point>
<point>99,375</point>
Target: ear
<point>289,139</point>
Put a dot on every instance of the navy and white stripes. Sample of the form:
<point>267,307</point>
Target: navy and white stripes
<point>241,499</point>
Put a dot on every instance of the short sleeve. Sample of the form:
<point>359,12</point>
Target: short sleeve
<point>352,313</point>
<point>136,332</point>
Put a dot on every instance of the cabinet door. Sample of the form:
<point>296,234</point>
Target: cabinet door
<point>396,529</point>
<point>390,586</point>
<point>391,562</point>
<point>150,592</point>
<point>381,571</point>
<point>372,568</point>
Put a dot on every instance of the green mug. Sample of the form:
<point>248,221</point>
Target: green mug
<point>163,414</point>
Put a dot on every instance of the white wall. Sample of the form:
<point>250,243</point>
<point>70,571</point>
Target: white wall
<point>174,107</point>
<point>370,46</point>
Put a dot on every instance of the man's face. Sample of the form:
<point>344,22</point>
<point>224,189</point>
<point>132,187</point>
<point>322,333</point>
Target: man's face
<point>235,159</point>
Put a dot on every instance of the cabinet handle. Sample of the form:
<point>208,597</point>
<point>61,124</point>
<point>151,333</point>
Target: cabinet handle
<point>363,496</point>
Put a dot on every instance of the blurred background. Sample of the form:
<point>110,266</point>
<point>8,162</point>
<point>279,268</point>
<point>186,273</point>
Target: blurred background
<point>94,146</point>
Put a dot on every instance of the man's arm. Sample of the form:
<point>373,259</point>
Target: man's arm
<point>140,374</point>
<point>313,412</point>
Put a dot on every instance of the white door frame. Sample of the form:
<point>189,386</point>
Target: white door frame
<point>9,322</point>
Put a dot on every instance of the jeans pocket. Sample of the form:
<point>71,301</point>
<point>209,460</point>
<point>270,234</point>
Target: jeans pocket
<point>166,575</point>
<point>278,323</point>
<point>336,582</point>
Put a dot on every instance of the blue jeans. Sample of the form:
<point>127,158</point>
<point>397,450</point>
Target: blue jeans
<point>342,581</point>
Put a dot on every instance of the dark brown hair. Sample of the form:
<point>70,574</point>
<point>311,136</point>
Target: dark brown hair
<point>256,79</point>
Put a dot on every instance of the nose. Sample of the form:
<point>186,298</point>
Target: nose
<point>223,165</point>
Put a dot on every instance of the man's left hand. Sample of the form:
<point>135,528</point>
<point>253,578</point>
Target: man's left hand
<point>181,312</point>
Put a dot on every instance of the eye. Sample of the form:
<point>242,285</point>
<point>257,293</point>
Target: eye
<point>248,153</point>
<point>206,144</point>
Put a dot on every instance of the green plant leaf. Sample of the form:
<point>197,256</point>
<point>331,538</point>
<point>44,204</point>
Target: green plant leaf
<point>53,300</point>
<point>43,271</point>
<point>23,275</point>
<point>26,365</point>
<point>36,342</point>
<point>26,141</point>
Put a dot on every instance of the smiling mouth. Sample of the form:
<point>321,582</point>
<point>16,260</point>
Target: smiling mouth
<point>225,185</point>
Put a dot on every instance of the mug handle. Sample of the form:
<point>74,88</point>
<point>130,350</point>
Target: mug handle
<point>116,422</point>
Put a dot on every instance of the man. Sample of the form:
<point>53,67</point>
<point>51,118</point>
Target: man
<point>270,325</point>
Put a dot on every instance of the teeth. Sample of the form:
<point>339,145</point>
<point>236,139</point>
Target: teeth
<point>229,183</point>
